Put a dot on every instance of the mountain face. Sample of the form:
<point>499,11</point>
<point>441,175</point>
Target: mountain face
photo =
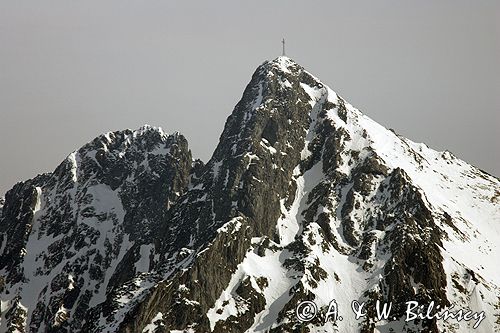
<point>70,236</point>
<point>304,199</point>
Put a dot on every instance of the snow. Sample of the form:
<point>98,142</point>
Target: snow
<point>447,185</point>
<point>234,225</point>
<point>284,63</point>
<point>450,185</point>
<point>161,149</point>
<point>3,242</point>
<point>105,200</point>
<point>317,99</point>
<point>256,102</point>
<point>215,168</point>
<point>266,145</point>
<point>29,293</point>
<point>351,285</point>
<point>37,276</point>
<point>476,297</point>
<point>279,279</point>
<point>148,128</point>
<point>150,328</point>
<point>72,158</point>
<point>251,157</point>
<point>289,223</point>
<point>287,226</point>
<point>134,293</point>
<point>142,265</point>
<point>105,243</point>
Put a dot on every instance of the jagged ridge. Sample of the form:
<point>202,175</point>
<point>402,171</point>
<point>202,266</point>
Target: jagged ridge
<point>304,198</point>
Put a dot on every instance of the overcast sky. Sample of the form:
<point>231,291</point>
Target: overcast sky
<point>70,70</point>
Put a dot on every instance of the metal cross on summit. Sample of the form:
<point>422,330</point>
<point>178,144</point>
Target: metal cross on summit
<point>283,42</point>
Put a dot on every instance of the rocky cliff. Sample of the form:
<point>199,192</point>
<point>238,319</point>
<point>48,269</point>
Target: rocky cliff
<point>304,198</point>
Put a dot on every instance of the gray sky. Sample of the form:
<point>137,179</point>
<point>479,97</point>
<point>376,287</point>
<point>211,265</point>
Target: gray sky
<point>71,70</point>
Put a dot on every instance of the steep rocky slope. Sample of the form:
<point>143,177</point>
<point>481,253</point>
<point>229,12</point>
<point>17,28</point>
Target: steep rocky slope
<point>304,198</point>
<point>71,236</point>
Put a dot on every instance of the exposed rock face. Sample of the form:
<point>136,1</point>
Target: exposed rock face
<point>70,237</point>
<point>304,198</point>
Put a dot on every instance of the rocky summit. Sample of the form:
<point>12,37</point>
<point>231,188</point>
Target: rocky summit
<point>304,199</point>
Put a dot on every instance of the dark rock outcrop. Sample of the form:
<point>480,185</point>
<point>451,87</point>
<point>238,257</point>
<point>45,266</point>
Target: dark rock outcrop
<point>304,198</point>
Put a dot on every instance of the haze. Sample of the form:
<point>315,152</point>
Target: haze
<point>70,71</point>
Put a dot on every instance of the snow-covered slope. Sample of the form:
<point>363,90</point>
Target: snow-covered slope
<point>70,237</point>
<point>376,215</point>
<point>304,199</point>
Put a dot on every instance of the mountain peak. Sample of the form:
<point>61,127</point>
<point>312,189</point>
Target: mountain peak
<point>305,198</point>
<point>284,60</point>
<point>281,64</point>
